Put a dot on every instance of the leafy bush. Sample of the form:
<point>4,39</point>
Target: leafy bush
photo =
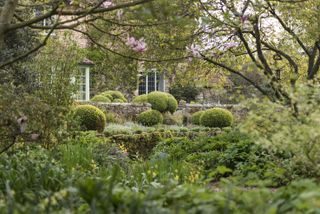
<point>115,95</point>
<point>158,101</point>
<point>172,119</point>
<point>113,118</point>
<point>162,101</point>
<point>172,104</point>
<point>90,117</point>
<point>109,96</point>
<point>118,101</point>
<point>216,117</point>
<point>195,118</point>
<point>277,127</point>
<point>184,92</point>
<point>227,154</point>
<point>100,98</point>
<point>150,118</point>
<point>140,99</point>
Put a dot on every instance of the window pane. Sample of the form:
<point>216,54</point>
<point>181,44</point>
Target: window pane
<point>142,85</point>
<point>151,82</point>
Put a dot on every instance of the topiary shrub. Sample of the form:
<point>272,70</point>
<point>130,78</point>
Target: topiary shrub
<point>100,98</point>
<point>115,95</point>
<point>150,118</point>
<point>109,96</point>
<point>158,101</point>
<point>216,117</point>
<point>90,118</point>
<point>172,104</point>
<point>195,118</point>
<point>118,101</point>
<point>140,99</point>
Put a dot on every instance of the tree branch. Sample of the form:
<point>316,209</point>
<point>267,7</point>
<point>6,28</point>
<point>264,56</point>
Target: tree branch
<point>288,29</point>
<point>231,70</point>
<point>44,42</point>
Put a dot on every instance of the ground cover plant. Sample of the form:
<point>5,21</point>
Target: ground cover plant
<point>90,174</point>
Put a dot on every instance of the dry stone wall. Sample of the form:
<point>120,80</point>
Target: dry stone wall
<point>129,111</point>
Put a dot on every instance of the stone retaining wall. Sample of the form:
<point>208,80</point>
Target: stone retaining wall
<point>129,111</point>
<point>188,109</point>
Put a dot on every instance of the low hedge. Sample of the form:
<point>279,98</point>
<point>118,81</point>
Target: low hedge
<point>141,144</point>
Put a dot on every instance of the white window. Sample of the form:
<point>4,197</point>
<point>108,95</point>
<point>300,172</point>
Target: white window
<point>83,81</point>
<point>152,81</point>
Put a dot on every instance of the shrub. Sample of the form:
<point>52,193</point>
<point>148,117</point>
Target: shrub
<point>90,117</point>
<point>109,96</point>
<point>158,101</point>
<point>172,119</point>
<point>100,98</point>
<point>150,118</point>
<point>141,99</point>
<point>195,118</point>
<point>118,101</point>
<point>162,101</point>
<point>115,95</point>
<point>172,104</point>
<point>185,92</point>
<point>113,118</point>
<point>216,117</point>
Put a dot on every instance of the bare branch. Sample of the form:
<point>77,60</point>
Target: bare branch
<point>231,70</point>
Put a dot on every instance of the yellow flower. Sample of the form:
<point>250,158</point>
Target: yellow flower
<point>123,148</point>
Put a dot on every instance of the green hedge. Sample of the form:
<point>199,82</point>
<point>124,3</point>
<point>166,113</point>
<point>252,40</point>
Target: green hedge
<point>141,144</point>
<point>216,117</point>
<point>140,99</point>
<point>150,118</point>
<point>90,118</point>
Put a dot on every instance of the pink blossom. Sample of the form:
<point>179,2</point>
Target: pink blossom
<point>244,18</point>
<point>107,4</point>
<point>22,122</point>
<point>230,44</point>
<point>195,50</point>
<point>137,45</point>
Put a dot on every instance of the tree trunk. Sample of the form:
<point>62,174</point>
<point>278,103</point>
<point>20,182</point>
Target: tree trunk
<point>6,16</point>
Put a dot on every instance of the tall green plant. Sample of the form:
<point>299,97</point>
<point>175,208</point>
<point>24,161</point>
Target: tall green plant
<point>278,127</point>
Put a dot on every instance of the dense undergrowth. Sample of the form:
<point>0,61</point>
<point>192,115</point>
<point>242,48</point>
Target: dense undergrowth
<point>226,173</point>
